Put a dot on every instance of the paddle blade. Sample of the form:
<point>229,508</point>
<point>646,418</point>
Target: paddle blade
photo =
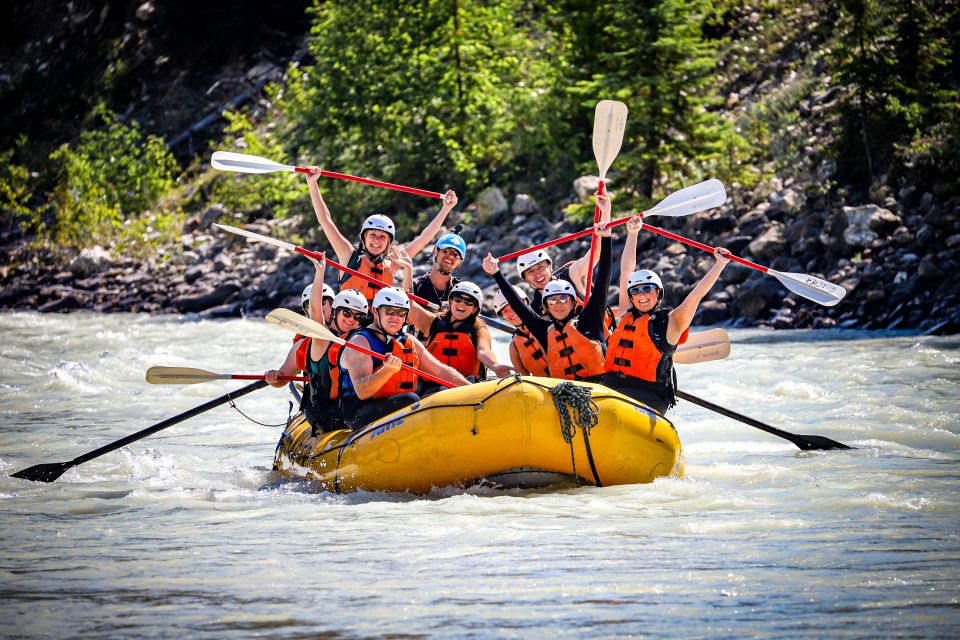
<point>819,443</point>
<point>703,346</point>
<point>256,236</point>
<point>43,472</point>
<point>609,123</point>
<point>181,375</point>
<point>698,197</point>
<point>297,323</point>
<point>810,287</point>
<point>243,163</point>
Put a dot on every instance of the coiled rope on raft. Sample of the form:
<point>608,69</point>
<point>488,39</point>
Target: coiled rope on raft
<point>576,408</point>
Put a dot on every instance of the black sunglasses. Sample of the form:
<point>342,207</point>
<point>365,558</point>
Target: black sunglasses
<point>467,300</point>
<point>350,313</point>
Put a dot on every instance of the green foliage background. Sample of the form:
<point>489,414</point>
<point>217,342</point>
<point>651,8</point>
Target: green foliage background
<point>470,93</point>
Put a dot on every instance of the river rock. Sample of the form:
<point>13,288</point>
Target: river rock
<point>66,303</point>
<point>91,260</point>
<point>770,244</point>
<point>786,201</point>
<point>930,270</point>
<point>712,312</point>
<point>866,223</point>
<point>490,204</point>
<point>206,300</point>
<point>585,187</point>
<point>757,295</point>
<point>753,222</point>
<point>205,219</point>
<point>524,205</point>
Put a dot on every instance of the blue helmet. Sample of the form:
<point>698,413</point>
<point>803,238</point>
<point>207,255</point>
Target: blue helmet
<point>453,241</point>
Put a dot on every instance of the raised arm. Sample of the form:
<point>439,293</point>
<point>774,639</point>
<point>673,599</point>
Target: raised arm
<point>682,316</point>
<point>487,357</point>
<point>316,293</point>
<point>426,236</point>
<point>628,260</point>
<point>579,270</point>
<point>341,246</point>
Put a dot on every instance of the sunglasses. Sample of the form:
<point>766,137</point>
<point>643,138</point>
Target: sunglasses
<point>467,300</point>
<point>560,298</point>
<point>350,313</point>
<point>396,312</point>
<point>642,288</point>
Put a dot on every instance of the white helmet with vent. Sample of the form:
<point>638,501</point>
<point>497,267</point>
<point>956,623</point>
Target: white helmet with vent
<point>391,297</point>
<point>468,289</point>
<point>305,296</point>
<point>500,300</point>
<point>557,287</point>
<point>350,299</point>
<point>379,222</point>
<point>527,260</point>
<point>644,276</point>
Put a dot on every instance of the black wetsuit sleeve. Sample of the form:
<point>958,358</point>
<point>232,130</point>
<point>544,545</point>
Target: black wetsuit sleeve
<point>592,316</point>
<point>536,325</point>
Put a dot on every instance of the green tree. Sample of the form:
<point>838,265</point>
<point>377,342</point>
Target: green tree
<point>430,93</point>
<point>655,57</point>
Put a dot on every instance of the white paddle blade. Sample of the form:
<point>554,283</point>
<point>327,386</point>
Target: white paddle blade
<point>297,323</point>
<point>256,236</point>
<point>698,197</point>
<point>810,287</point>
<point>609,123</point>
<point>243,163</point>
<point>703,346</point>
<point>181,375</point>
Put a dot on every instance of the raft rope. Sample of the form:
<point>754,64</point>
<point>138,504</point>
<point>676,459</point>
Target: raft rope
<point>568,397</point>
<point>262,424</point>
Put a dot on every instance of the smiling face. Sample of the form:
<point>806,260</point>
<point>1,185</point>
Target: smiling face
<point>559,306</point>
<point>539,274</point>
<point>511,316</point>
<point>376,242</point>
<point>644,297</point>
<point>462,306</point>
<point>446,260</point>
<point>347,319</point>
<point>391,319</point>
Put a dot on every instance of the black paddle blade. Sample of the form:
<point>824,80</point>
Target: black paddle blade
<point>817,443</point>
<point>44,472</point>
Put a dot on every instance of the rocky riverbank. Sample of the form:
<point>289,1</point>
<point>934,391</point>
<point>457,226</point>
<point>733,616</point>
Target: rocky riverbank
<point>895,258</point>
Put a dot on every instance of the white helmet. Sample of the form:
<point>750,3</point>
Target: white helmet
<point>391,297</point>
<point>350,299</point>
<point>527,260</point>
<point>327,292</point>
<point>500,300</point>
<point>379,222</point>
<point>644,276</point>
<point>557,287</point>
<point>305,296</point>
<point>469,289</point>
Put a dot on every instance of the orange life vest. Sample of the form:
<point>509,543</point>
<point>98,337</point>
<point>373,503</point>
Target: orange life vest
<point>639,347</point>
<point>571,355</point>
<point>380,270</point>
<point>402,381</point>
<point>456,346</point>
<point>324,374</point>
<point>531,353</point>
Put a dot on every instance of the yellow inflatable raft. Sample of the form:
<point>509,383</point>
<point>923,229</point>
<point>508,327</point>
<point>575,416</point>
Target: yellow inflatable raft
<point>506,432</point>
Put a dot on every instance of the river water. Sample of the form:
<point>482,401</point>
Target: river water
<point>187,533</point>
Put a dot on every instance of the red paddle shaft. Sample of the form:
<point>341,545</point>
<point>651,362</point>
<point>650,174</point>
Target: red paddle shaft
<point>422,374</point>
<point>593,245</point>
<point>376,183</point>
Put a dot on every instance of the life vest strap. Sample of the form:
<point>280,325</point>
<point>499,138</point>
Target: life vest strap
<point>565,352</point>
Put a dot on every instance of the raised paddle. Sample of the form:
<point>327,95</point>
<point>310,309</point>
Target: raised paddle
<point>703,346</point>
<point>307,327</point>
<point>243,163</point>
<point>53,470</point>
<point>316,256</point>
<point>805,442</point>
<point>802,284</point>
<point>609,123</point>
<point>187,375</point>
<point>693,199</point>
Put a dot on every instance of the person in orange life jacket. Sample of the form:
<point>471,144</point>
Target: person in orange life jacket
<point>457,336</point>
<point>639,357</point>
<point>575,336</point>
<point>370,388</point>
<point>371,256</point>
<point>528,355</point>
<point>448,254</point>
